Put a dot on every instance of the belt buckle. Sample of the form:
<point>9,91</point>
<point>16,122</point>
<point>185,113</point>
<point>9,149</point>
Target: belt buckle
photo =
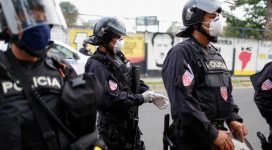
<point>219,124</point>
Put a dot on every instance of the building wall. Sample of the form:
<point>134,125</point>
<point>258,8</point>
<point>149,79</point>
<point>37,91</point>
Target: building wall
<point>242,56</point>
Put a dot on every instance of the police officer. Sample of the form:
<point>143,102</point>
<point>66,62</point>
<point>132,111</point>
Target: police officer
<point>31,114</point>
<point>198,83</point>
<point>262,97</point>
<point>84,50</point>
<point>263,93</point>
<point>117,121</point>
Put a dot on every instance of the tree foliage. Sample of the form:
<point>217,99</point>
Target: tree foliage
<point>70,13</point>
<point>252,24</point>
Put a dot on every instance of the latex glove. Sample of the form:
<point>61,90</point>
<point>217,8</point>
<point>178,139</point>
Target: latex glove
<point>148,96</point>
<point>160,101</point>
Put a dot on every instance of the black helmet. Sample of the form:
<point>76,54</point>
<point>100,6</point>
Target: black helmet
<point>105,29</point>
<point>193,12</point>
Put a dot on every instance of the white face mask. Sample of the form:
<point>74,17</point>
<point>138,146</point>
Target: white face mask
<point>216,26</point>
<point>118,45</point>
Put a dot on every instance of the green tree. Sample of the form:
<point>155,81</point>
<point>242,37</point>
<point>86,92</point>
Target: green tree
<point>252,24</point>
<point>70,13</point>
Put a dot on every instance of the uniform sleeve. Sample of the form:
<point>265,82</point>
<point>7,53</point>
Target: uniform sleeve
<point>179,78</point>
<point>113,97</point>
<point>263,94</point>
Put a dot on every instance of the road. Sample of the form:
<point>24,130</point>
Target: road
<point>151,120</point>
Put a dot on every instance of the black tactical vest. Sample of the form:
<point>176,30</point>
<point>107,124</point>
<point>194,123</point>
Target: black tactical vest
<point>212,88</point>
<point>18,128</point>
<point>117,68</point>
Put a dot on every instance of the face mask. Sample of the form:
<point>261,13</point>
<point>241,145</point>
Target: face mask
<point>216,27</point>
<point>34,41</point>
<point>118,45</point>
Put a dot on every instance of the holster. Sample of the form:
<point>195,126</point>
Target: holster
<point>167,133</point>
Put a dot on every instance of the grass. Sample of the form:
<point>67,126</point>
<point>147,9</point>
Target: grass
<point>235,83</point>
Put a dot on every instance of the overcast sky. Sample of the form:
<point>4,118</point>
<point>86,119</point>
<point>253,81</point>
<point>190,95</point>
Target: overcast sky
<point>169,10</point>
<point>165,10</point>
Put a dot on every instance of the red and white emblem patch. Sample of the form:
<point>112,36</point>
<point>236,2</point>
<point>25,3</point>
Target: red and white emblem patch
<point>187,78</point>
<point>113,85</point>
<point>267,85</point>
<point>224,93</point>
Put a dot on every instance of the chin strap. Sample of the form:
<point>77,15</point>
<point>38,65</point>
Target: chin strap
<point>106,45</point>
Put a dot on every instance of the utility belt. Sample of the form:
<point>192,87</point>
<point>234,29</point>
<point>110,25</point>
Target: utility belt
<point>179,130</point>
<point>219,124</point>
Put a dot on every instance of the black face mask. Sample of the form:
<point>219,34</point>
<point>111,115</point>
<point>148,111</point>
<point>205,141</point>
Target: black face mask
<point>35,40</point>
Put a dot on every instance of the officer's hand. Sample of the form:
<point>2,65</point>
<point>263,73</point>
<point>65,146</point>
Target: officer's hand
<point>238,129</point>
<point>157,99</point>
<point>223,140</point>
<point>148,96</point>
<point>160,101</point>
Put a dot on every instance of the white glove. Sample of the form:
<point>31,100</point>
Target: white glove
<point>160,101</point>
<point>148,96</point>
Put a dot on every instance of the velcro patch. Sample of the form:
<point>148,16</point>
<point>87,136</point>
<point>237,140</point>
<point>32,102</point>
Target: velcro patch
<point>113,85</point>
<point>267,85</point>
<point>187,78</point>
<point>224,93</point>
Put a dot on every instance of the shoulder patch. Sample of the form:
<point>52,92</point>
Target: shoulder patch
<point>224,93</point>
<point>266,85</point>
<point>113,85</point>
<point>187,78</point>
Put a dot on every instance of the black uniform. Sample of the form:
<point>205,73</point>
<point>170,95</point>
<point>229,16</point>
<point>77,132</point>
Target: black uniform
<point>115,115</point>
<point>199,88</point>
<point>19,129</point>
<point>263,93</point>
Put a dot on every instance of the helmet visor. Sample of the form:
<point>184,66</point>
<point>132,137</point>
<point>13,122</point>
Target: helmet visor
<point>21,15</point>
<point>209,6</point>
<point>212,6</point>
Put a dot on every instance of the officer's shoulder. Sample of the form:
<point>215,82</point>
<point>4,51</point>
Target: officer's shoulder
<point>94,63</point>
<point>180,48</point>
<point>267,67</point>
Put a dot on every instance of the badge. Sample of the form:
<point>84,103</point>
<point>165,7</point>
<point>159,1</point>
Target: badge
<point>224,93</point>
<point>267,85</point>
<point>187,78</point>
<point>113,85</point>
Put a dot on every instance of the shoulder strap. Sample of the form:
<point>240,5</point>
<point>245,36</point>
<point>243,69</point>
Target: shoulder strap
<point>61,65</point>
<point>113,68</point>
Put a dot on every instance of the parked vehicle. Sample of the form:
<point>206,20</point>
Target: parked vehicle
<point>72,56</point>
